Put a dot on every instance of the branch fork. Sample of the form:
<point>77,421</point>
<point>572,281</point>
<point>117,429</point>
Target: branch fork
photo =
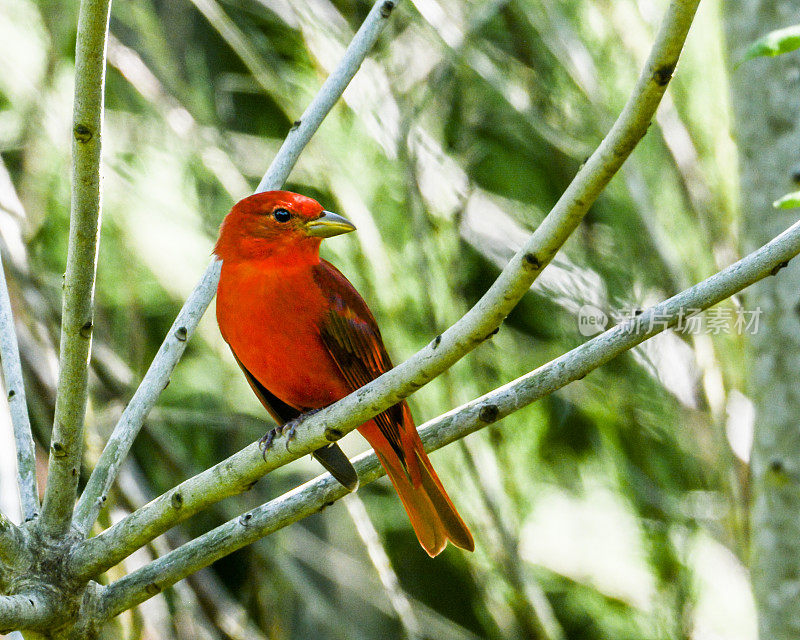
<point>87,558</point>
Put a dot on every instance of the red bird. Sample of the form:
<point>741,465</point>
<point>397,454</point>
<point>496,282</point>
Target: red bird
<point>305,338</point>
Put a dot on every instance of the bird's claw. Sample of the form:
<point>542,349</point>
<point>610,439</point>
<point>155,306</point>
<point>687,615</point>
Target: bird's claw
<point>288,429</point>
<point>265,442</point>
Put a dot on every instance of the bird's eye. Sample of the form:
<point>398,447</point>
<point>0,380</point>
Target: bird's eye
<point>281,215</point>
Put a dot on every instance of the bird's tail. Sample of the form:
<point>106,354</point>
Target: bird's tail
<point>432,514</point>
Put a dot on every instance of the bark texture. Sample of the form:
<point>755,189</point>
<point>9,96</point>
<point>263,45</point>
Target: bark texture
<point>766,100</point>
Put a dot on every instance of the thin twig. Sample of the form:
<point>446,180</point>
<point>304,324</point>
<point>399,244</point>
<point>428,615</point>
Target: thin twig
<point>174,344</point>
<point>77,316</point>
<point>383,566</point>
<point>458,423</point>
<point>15,388</point>
<point>240,471</point>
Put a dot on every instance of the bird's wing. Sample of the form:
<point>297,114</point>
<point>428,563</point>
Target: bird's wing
<point>331,456</point>
<point>277,408</point>
<point>351,336</point>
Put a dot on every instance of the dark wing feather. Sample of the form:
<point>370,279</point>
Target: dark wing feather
<point>277,408</point>
<point>351,336</point>
<point>331,457</point>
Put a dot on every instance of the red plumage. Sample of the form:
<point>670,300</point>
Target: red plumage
<point>305,338</point>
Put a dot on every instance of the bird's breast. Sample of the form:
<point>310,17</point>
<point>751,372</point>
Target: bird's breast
<point>271,321</point>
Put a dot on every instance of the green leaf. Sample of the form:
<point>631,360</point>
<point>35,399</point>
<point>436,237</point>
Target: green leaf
<point>774,43</point>
<point>789,201</point>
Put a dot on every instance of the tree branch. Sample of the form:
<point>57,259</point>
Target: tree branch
<point>468,418</point>
<point>12,545</point>
<point>77,316</point>
<point>174,344</point>
<point>15,388</point>
<point>27,610</point>
<point>241,470</point>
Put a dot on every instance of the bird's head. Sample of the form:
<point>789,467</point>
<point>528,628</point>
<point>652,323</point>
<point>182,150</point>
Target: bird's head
<point>277,224</point>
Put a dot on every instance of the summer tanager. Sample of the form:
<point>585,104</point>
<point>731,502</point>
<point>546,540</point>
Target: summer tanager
<point>305,338</point>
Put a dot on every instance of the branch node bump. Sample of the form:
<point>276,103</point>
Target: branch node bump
<point>386,9</point>
<point>436,342</point>
<point>532,260</point>
<point>663,75</point>
<point>778,473</point>
<point>82,133</point>
<point>58,450</point>
<point>177,500</point>
<point>244,519</point>
<point>333,434</point>
<point>296,125</point>
<point>489,413</point>
<point>778,267</point>
<point>181,333</point>
<point>86,330</point>
<point>776,465</point>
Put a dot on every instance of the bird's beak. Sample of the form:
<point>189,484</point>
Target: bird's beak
<point>329,225</point>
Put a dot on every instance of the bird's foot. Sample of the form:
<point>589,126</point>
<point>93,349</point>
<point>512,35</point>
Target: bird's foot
<point>265,441</point>
<point>287,429</point>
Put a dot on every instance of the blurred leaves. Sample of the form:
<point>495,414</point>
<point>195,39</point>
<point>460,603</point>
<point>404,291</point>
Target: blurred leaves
<point>603,504</point>
<point>789,201</point>
<point>775,43</point>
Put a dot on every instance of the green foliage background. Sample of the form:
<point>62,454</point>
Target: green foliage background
<point>613,509</point>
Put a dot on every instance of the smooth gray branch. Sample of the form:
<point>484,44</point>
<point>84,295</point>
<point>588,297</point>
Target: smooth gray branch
<point>468,418</point>
<point>241,470</point>
<point>66,446</point>
<point>27,610</point>
<point>174,344</point>
<point>15,388</point>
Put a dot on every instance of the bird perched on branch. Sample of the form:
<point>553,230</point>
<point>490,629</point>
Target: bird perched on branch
<point>305,338</point>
